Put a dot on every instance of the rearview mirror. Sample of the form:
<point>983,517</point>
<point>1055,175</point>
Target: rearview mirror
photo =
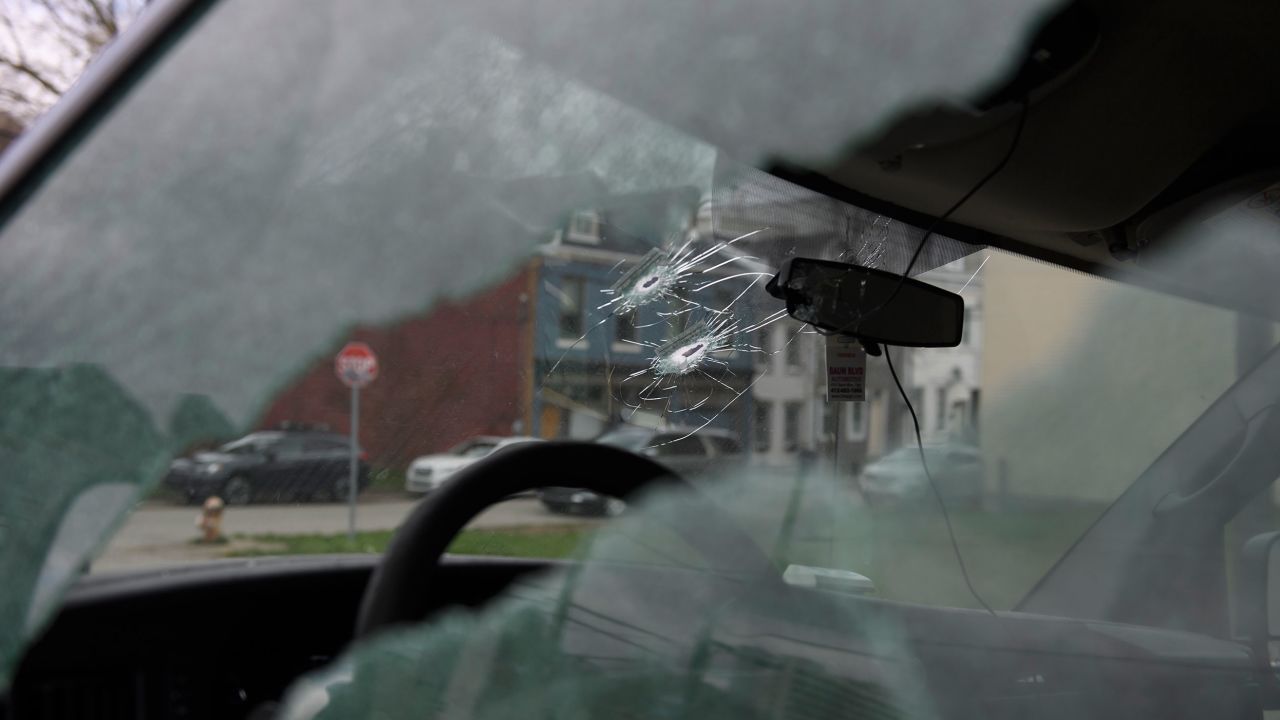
<point>872,305</point>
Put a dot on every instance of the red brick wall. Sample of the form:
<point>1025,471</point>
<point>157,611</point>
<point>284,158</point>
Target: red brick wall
<point>457,371</point>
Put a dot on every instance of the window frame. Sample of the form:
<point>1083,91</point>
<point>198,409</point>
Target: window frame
<point>571,287</point>
<point>792,408</point>
<point>627,342</point>
<point>589,233</point>
<point>762,410</point>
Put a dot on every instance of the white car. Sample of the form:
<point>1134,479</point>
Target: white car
<point>899,477</point>
<point>429,472</point>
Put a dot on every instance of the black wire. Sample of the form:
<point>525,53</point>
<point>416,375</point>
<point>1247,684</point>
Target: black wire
<point>1008,154</point>
<point>902,279</point>
<point>946,517</point>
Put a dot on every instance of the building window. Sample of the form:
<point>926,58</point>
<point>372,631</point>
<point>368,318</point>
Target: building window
<point>624,329</point>
<point>959,410</point>
<point>764,339</point>
<point>940,412</point>
<point>760,426</point>
<point>967,336</point>
<point>791,425</point>
<point>856,427</point>
<point>794,358</point>
<point>585,227</point>
<point>852,417</point>
<point>570,295</point>
<point>973,407</point>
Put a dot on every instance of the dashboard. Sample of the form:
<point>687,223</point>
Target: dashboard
<point>224,640</point>
<point>209,641</point>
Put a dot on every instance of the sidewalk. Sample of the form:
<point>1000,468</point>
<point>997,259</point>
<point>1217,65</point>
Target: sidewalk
<point>160,534</point>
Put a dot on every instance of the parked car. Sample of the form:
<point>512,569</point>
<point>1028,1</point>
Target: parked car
<point>429,472</point>
<point>286,465</point>
<point>689,453</point>
<point>899,476</point>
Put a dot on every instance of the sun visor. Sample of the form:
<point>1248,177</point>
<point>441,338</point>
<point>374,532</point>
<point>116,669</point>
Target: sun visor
<point>1222,247</point>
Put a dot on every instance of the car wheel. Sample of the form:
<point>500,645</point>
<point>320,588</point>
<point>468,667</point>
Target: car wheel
<point>340,488</point>
<point>237,491</point>
<point>290,493</point>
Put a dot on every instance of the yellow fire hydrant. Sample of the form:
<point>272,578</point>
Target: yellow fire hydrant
<point>210,520</point>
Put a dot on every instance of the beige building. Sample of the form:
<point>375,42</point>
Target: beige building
<point>1086,380</point>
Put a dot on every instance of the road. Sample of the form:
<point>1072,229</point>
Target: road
<point>161,533</point>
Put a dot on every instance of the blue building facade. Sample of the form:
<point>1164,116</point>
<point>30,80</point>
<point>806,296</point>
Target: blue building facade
<point>594,368</point>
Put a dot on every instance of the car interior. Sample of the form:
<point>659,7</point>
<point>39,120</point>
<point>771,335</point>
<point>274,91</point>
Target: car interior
<point>1120,122</point>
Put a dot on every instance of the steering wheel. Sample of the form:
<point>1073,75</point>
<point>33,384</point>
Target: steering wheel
<point>402,586</point>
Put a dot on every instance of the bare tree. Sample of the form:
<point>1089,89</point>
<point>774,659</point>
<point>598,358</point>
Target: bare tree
<point>46,44</point>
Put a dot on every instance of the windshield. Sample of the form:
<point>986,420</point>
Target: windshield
<point>473,449</point>
<point>250,444</point>
<point>634,440</point>
<point>457,227</point>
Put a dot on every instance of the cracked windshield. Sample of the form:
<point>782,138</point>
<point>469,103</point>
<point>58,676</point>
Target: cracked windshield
<point>234,333</point>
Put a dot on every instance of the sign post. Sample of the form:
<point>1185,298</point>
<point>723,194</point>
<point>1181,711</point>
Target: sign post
<point>356,366</point>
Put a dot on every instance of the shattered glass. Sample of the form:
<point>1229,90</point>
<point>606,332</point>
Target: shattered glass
<point>756,222</point>
<point>77,453</point>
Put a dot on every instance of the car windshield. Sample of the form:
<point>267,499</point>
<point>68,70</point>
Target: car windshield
<point>634,440</point>
<point>474,449</point>
<point>420,226</point>
<point>250,444</point>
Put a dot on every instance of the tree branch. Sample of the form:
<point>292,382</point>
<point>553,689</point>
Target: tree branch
<point>25,69</point>
<point>19,106</point>
<point>106,19</point>
<point>67,33</point>
<point>13,37</point>
<point>51,8</point>
<point>15,96</point>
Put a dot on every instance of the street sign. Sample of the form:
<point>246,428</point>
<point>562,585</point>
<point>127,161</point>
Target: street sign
<point>356,365</point>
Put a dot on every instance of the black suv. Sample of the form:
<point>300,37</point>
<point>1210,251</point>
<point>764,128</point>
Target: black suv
<point>282,465</point>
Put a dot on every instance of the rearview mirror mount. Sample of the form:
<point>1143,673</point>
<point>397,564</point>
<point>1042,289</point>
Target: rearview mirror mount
<point>872,305</point>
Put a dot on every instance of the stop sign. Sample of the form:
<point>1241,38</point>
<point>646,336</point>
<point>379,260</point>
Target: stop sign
<point>356,364</point>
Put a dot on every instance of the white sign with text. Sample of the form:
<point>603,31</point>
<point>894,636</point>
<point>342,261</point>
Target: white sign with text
<point>846,370</point>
